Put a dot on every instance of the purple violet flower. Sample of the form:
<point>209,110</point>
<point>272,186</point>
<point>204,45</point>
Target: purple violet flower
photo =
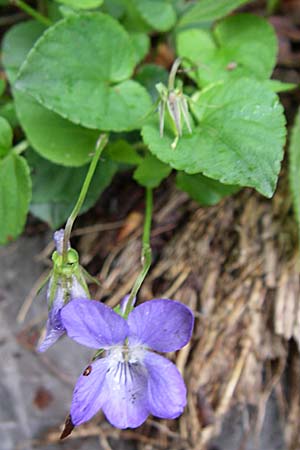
<point>130,381</point>
<point>66,283</point>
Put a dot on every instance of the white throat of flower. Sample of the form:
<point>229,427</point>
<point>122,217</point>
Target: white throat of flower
<point>124,353</point>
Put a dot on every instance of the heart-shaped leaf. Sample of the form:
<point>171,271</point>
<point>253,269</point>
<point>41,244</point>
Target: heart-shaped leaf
<point>16,44</point>
<point>55,189</point>
<point>80,68</point>
<point>15,193</point>
<point>202,189</point>
<point>294,168</point>
<point>54,137</point>
<point>6,137</point>
<point>123,153</point>
<point>209,10</point>
<point>230,51</point>
<point>149,76</point>
<point>237,139</point>
<point>151,172</point>
<point>158,14</point>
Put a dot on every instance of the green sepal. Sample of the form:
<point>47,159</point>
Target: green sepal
<point>97,354</point>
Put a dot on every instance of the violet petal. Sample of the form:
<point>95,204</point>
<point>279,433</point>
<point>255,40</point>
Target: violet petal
<point>77,290</point>
<point>93,324</point>
<point>126,404</point>
<point>59,239</point>
<point>52,335</point>
<point>87,399</point>
<point>54,326</point>
<point>166,388</point>
<point>161,324</point>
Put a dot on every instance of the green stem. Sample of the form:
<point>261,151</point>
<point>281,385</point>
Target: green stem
<point>21,147</point>
<point>101,143</point>
<point>32,12</point>
<point>146,252</point>
<point>172,75</point>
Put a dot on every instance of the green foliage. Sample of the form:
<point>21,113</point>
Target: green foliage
<point>6,137</point>
<point>280,86</point>
<point>141,45</point>
<point>89,73</point>
<point>82,4</point>
<point>16,44</point>
<point>54,137</point>
<point>204,190</point>
<point>55,189</point>
<point>294,168</point>
<point>2,86</point>
<point>8,112</point>
<point>122,152</point>
<point>149,76</point>
<point>158,14</point>
<point>230,51</point>
<point>209,10</point>
<point>15,193</point>
<point>151,172</point>
<point>93,90</point>
<point>237,137</point>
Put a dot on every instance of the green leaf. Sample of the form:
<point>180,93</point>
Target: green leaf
<point>231,51</point>
<point>54,137</point>
<point>141,45</point>
<point>149,76</point>
<point>158,14</point>
<point>151,172</point>
<point>82,4</point>
<point>237,139</point>
<point>6,137</point>
<point>202,189</point>
<point>280,86</point>
<point>15,193</point>
<point>67,11</point>
<point>122,152</point>
<point>16,44</point>
<point>92,90</point>
<point>2,86</point>
<point>55,189</point>
<point>115,8</point>
<point>8,111</point>
<point>294,168</point>
<point>209,10</point>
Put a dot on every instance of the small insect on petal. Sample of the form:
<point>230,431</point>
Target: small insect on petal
<point>87,371</point>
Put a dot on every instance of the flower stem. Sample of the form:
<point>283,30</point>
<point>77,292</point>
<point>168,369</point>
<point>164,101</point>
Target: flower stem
<point>101,143</point>
<point>146,252</point>
<point>32,12</point>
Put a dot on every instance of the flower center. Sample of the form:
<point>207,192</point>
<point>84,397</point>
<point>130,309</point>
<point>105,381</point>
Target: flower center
<point>125,354</point>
